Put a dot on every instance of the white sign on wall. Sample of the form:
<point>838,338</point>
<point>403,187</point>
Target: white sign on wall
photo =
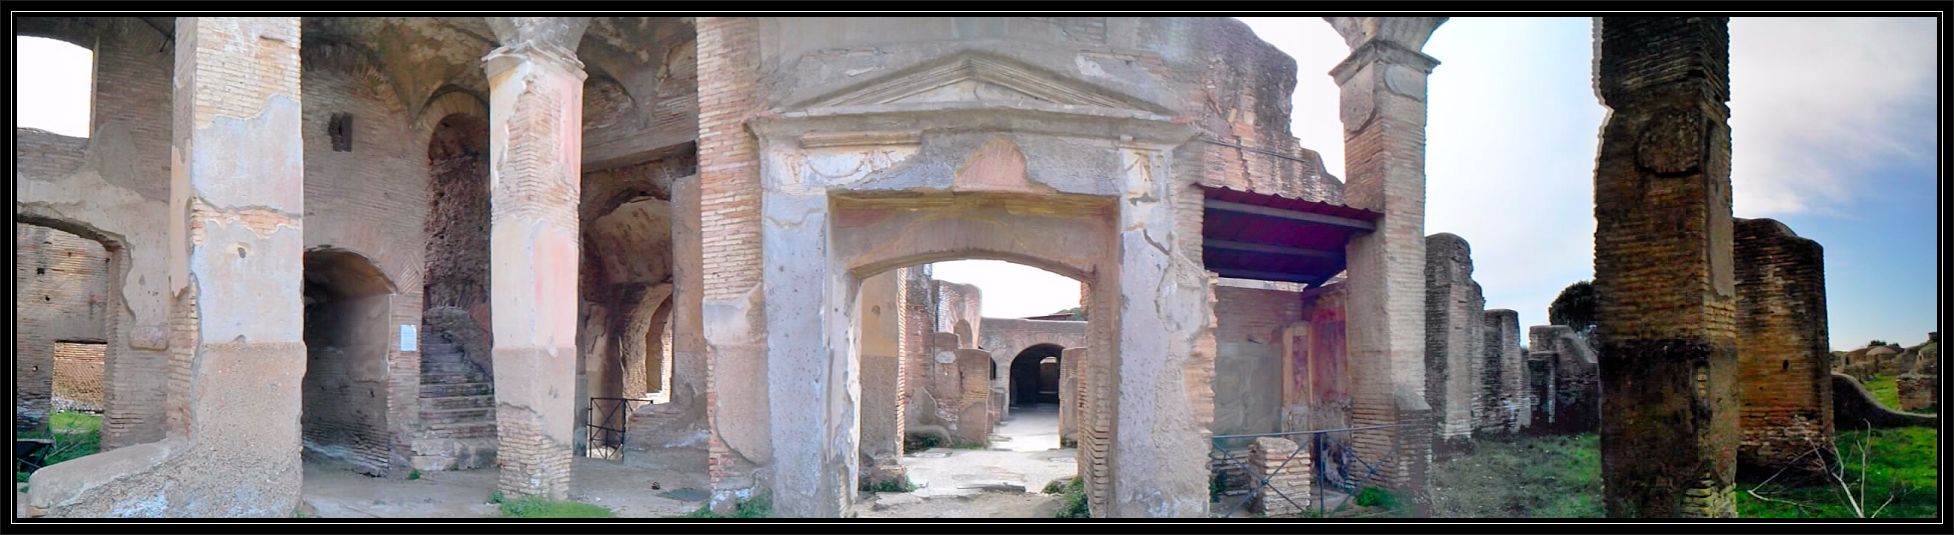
<point>407,338</point>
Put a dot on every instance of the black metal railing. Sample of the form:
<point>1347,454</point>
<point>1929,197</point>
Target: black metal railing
<point>607,419</point>
<point>1338,472</point>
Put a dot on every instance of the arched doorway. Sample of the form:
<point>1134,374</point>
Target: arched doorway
<point>344,394</point>
<point>1034,376</point>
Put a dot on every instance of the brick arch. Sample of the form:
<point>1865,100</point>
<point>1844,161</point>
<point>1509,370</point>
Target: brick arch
<point>446,101</point>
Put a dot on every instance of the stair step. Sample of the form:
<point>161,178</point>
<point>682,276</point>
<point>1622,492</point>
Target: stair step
<point>462,430</point>
<point>459,416</point>
<point>448,367</point>
<point>459,402</point>
<point>446,390</point>
<point>437,378</point>
<point>440,347</point>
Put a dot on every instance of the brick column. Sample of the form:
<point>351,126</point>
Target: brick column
<point>1662,262</point>
<point>1382,100</point>
<point>1784,349</point>
<point>235,269</point>
<point>732,312</point>
<point>535,135</point>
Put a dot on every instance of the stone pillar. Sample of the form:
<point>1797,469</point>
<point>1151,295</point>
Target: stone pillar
<point>535,135</point>
<point>1382,106</point>
<point>235,270</point>
<point>1782,347</point>
<point>880,314</point>
<point>973,396</point>
<point>1068,395</point>
<point>732,310</point>
<point>687,380</point>
<point>1503,403</point>
<point>1163,362</point>
<point>1663,268</point>
<point>1454,342</point>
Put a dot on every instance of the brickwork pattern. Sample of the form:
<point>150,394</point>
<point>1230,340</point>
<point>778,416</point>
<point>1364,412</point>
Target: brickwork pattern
<point>78,376</point>
<point>1454,339</point>
<point>729,179</point>
<point>1504,399</point>
<point>1663,268</point>
<point>1285,472</point>
<point>1782,347</point>
<point>62,284</point>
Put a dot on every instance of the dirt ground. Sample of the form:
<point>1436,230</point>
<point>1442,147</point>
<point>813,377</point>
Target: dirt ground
<point>1004,481</point>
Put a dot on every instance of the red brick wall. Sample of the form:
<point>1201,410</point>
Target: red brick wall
<point>729,174</point>
<point>62,284</point>
<point>1783,346</point>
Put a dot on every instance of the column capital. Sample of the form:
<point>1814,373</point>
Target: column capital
<point>507,57</point>
<point>1382,51</point>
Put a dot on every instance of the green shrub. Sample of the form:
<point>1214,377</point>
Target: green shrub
<point>413,475</point>
<point>541,507</point>
<point>901,484</point>
<point>757,507</point>
<point>496,497</point>
<point>1073,504</point>
<point>920,442</point>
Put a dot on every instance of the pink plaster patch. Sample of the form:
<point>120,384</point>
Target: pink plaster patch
<point>996,166</point>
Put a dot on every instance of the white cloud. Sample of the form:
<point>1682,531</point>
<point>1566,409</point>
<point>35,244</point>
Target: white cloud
<point>1814,102</point>
<point>1012,290</point>
<point>53,84</point>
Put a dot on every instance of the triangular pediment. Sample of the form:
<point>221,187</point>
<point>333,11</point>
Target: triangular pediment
<point>973,77</point>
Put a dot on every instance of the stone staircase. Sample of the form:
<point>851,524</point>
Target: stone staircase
<point>457,409</point>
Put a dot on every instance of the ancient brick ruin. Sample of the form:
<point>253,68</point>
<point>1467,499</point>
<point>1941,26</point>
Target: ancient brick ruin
<point>417,245</point>
<point>1663,271</point>
<point>1782,347</point>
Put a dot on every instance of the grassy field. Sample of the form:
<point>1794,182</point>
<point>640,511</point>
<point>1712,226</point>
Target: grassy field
<point>1886,390</point>
<point>1528,477</point>
<point>540,507</point>
<point>1560,477</point>
<point>1902,470</point>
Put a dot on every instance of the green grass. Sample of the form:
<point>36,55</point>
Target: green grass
<point>1886,390</point>
<point>75,434</point>
<point>1074,500</point>
<point>540,507</point>
<point>1901,463</point>
<point>757,507</point>
<point>1527,477</point>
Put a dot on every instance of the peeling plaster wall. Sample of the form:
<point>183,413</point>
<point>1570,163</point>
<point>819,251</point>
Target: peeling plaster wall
<point>114,187</point>
<point>62,283</point>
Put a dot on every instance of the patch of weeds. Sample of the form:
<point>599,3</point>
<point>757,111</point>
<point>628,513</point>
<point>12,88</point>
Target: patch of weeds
<point>1073,504</point>
<point>71,435</point>
<point>413,475</point>
<point>900,484</point>
<point>757,507</point>
<point>1901,478</point>
<point>541,507</point>
<point>1057,485</point>
<point>920,442</point>
<point>21,477</point>
<point>1376,497</point>
<point>1522,477</point>
<point>497,497</point>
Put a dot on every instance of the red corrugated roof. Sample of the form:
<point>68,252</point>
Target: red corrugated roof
<point>1264,245</point>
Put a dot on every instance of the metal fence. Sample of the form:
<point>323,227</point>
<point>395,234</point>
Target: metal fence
<point>607,419</point>
<point>1338,472</point>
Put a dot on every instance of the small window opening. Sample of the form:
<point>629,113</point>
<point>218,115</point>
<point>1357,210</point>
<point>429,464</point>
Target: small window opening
<point>341,131</point>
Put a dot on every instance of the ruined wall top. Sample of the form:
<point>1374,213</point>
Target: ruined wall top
<point>1636,54</point>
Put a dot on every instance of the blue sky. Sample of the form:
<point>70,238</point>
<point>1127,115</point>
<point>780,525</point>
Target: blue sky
<point>1834,134</point>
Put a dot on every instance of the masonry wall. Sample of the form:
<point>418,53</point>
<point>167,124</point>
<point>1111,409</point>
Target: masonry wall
<point>62,283</point>
<point>1454,341</point>
<point>1504,399</point>
<point>366,192</point>
<point>1248,385</point>
<point>1782,346</point>
<point>115,187</point>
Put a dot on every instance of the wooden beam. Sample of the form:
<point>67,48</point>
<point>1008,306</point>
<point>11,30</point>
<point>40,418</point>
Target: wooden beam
<point>1292,215</point>
<point>1267,276</point>
<point>1271,249</point>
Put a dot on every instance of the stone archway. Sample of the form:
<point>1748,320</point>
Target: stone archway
<point>1034,375</point>
<point>344,395</point>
